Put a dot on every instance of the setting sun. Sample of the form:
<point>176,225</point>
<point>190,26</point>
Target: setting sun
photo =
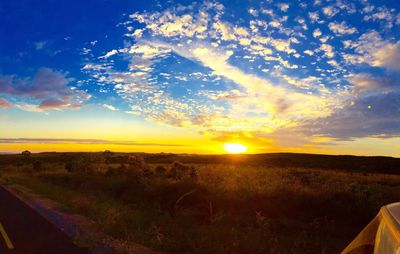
<point>235,148</point>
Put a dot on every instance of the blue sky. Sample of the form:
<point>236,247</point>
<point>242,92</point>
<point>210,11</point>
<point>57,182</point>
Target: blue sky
<point>282,74</point>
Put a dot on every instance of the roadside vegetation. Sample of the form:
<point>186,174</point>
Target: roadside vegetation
<point>226,204</point>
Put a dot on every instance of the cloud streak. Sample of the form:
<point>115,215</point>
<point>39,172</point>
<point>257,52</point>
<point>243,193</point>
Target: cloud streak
<point>4,103</point>
<point>49,88</point>
<point>79,141</point>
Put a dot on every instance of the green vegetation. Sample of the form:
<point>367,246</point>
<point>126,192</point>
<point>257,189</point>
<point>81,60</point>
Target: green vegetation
<point>282,203</point>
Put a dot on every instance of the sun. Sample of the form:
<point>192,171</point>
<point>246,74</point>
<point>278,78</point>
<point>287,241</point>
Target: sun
<point>235,148</point>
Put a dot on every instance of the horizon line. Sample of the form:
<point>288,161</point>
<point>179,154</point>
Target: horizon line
<point>204,154</point>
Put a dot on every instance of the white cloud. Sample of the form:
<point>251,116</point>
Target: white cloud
<point>275,23</point>
<point>170,24</point>
<point>260,50</point>
<point>29,107</point>
<point>138,33</point>
<point>253,12</point>
<point>328,50</point>
<point>330,11</point>
<point>302,22</point>
<point>341,28</point>
<point>231,52</point>
<point>281,102</point>
<point>382,13</point>
<point>333,63</point>
<point>370,48</point>
<point>314,17</point>
<point>39,45</point>
<point>241,31</point>
<point>86,51</point>
<point>353,58</point>
<point>347,6</point>
<point>388,56</point>
<point>367,9</point>
<point>317,32</point>
<point>147,52</point>
<point>110,53</point>
<point>309,52</point>
<point>324,39</point>
<point>283,7</point>
<point>225,30</point>
<point>109,107</point>
<point>244,41</point>
<point>278,44</point>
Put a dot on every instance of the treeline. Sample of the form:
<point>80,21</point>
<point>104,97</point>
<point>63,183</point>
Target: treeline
<point>368,164</point>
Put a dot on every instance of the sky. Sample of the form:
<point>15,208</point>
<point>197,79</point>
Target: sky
<point>188,76</point>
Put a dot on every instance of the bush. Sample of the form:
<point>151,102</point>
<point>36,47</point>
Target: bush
<point>89,163</point>
<point>231,208</point>
<point>116,171</point>
<point>122,167</point>
<point>179,170</point>
<point>80,166</point>
<point>137,162</point>
<point>160,170</point>
<point>37,166</point>
<point>69,167</point>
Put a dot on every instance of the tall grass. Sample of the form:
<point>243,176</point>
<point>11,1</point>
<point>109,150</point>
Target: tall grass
<point>224,208</point>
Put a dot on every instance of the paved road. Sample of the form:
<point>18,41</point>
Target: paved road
<point>23,231</point>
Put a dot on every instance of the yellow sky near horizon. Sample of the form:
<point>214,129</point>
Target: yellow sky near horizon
<point>366,147</point>
<point>154,138</point>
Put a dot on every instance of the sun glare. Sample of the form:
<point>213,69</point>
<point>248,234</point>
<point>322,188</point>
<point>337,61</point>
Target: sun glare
<point>235,148</point>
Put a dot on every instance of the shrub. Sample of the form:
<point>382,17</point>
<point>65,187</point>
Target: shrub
<point>137,162</point>
<point>120,170</point>
<point>122,167</point>
<point>160,170</point>
<point>81,166</point>
<point>37,166</point>
<point>179,170</point>
<point>89,163</point>
<point>69,167</point>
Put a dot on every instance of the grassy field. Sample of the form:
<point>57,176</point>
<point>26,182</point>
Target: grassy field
<point>216,204</point>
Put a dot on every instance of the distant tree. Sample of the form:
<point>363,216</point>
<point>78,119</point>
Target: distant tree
<point>26,153</point>
<point>108,153</point>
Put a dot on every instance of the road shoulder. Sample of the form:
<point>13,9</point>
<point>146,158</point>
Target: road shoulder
<point>83,231</point>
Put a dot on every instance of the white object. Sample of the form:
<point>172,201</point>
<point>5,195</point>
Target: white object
<point>381,235</point>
